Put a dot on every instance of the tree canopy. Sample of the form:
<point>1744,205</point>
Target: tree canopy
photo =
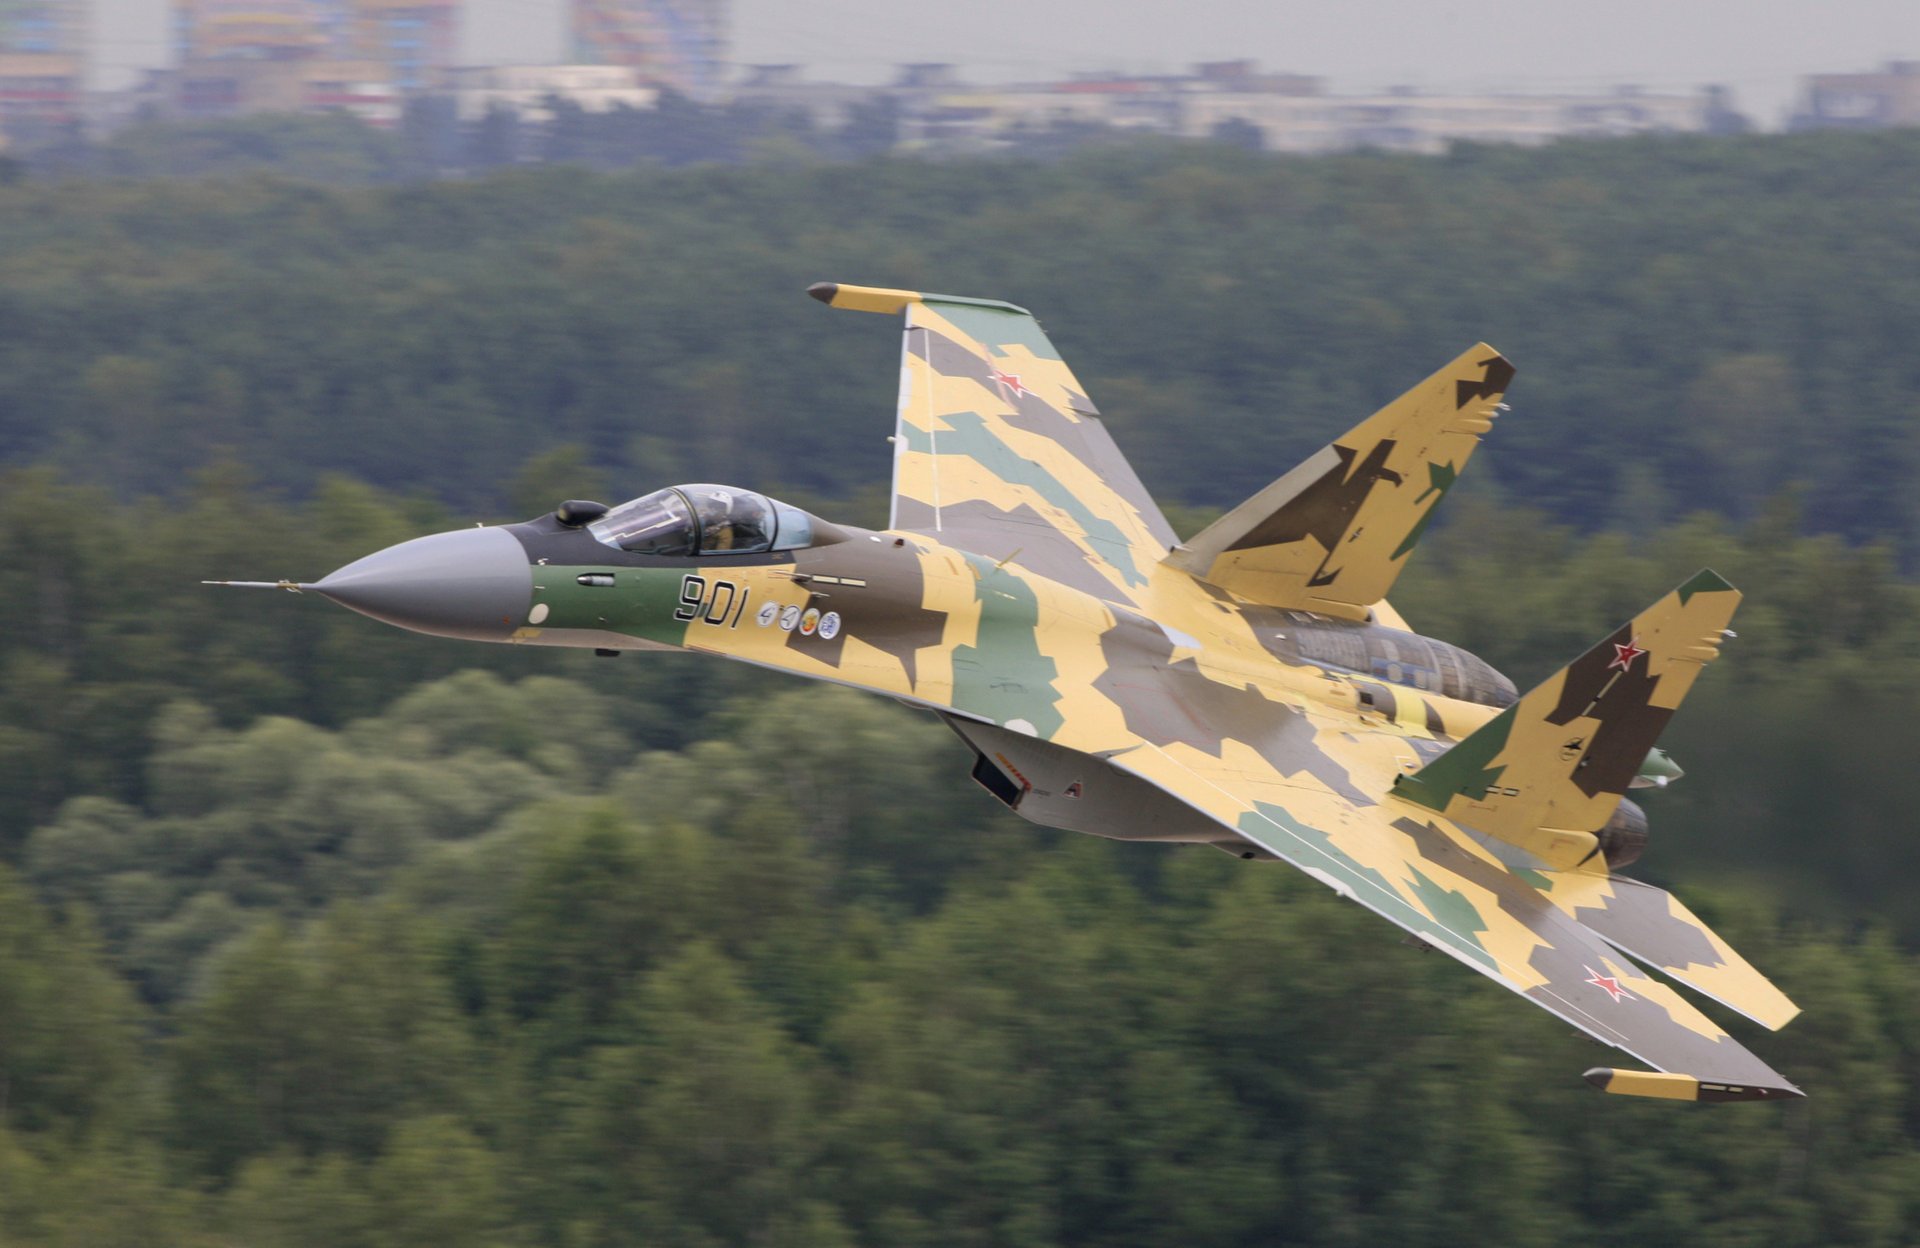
<point>1699,323</point>
<point>315,932</point>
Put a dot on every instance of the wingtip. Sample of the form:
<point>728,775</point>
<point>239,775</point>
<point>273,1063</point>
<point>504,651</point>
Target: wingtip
<point>1485,353</point>
<point>1705,581</point>
<point>1667,1086</point>
<point>1495,374</point>
<point>824,291</point>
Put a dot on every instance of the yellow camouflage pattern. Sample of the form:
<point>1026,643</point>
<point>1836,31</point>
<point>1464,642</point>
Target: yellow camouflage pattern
<point>1332,535</point>
<point>1250,690</point>
<point>998,450</point>
<point>1547,774</point>
<point>1151,670</point>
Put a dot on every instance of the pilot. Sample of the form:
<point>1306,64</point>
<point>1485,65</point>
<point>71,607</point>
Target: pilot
<point>718,530</point>
<point>734,522</point>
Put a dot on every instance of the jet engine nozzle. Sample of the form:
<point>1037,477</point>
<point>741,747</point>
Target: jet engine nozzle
<point>470,583</point>
<point>1624,838</point>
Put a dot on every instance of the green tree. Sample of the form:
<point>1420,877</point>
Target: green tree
<point>68,1029</point>
<point>701,1132</point>
<point>315,1044</point>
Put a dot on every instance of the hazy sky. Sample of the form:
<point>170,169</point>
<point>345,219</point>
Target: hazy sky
<point>1758,47</point>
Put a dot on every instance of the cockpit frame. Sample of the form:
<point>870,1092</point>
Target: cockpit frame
<point>703,519</point>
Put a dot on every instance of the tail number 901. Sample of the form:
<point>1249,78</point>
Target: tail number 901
<point>711,602</point>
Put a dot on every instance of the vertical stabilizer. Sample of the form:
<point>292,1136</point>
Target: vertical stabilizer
<point>1547,773</point>
<point>1332,535</point>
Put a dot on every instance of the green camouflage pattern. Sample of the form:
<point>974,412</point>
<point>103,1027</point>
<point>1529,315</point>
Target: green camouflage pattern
<point>1250,690</point>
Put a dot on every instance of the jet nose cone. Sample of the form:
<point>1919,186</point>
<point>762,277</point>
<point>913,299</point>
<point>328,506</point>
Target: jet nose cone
<point>472,583</point>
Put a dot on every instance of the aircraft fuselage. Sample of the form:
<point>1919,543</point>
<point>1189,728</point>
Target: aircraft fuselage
<point>904,614</point>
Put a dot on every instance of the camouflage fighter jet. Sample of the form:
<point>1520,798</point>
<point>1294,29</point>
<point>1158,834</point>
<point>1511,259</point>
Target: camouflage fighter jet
<point>1248,689</point>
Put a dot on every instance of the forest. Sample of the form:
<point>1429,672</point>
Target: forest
<point>313,932</point>
<point>1698,323</point>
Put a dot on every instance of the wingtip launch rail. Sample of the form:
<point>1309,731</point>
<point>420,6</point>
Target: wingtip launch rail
<point>884,300</point>
<point>1661,1086</point>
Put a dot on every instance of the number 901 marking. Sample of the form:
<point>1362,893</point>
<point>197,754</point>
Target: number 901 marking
<point>711,602</point>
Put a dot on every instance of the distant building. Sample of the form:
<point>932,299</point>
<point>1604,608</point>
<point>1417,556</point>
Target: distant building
<point>416,40</point>
<point>44,28</point>
<point>828,105</point>
<point>261,30</point>
<point>1870,101</point>
<point>1247,76</point>
<point>42,68</point>
<point>941,112</point>
<point>678,45</point>
<point>1407,121</point>
<point>527,89</point>
<point>233,87</point>
<point>927,76</point>
<point>1283,112</point>
<point>358,56</point>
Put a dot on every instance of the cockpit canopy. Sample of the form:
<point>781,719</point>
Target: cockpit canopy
<point>704,520</point>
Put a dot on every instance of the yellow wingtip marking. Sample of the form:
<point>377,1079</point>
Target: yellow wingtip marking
<point>863,298</point>
<point>1655,1084</point>
<point>886,300</point>
<point>1676,1087</point>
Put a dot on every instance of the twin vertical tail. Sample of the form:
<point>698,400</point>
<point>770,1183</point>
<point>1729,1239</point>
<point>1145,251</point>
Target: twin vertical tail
<point>1332,535</point>
<point>1547,773</point>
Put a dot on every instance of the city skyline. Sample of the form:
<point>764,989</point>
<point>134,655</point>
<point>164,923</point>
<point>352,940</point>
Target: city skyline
<point>1760,51</point>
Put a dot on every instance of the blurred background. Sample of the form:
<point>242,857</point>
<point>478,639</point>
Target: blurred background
<point>317,933</point>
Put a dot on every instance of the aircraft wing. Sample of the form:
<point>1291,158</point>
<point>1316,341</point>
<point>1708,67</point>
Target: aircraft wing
<point>1423,873</point>
<point>998,450</point>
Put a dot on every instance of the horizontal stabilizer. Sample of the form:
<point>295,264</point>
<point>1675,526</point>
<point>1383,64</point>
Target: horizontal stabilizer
<point>1651,926</point>
<point>1419,873</point>
<point>1547,773</point>
<point>1669,1087</point>
<point>1332,535</point>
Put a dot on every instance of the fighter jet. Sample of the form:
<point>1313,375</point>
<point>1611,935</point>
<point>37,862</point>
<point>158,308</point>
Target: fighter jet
<point>1249,689</point>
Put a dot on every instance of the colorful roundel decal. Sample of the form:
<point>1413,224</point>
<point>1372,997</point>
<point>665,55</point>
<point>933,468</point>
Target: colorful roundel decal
<point>768,614</point>
<point>830,626</point>
<point>810,621</point>
<point>789,618</point>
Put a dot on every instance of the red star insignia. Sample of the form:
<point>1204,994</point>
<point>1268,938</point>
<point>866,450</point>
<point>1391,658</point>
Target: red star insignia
<point>1011,381</point>
<point>1624,655</point>
<point>1606,983</point>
